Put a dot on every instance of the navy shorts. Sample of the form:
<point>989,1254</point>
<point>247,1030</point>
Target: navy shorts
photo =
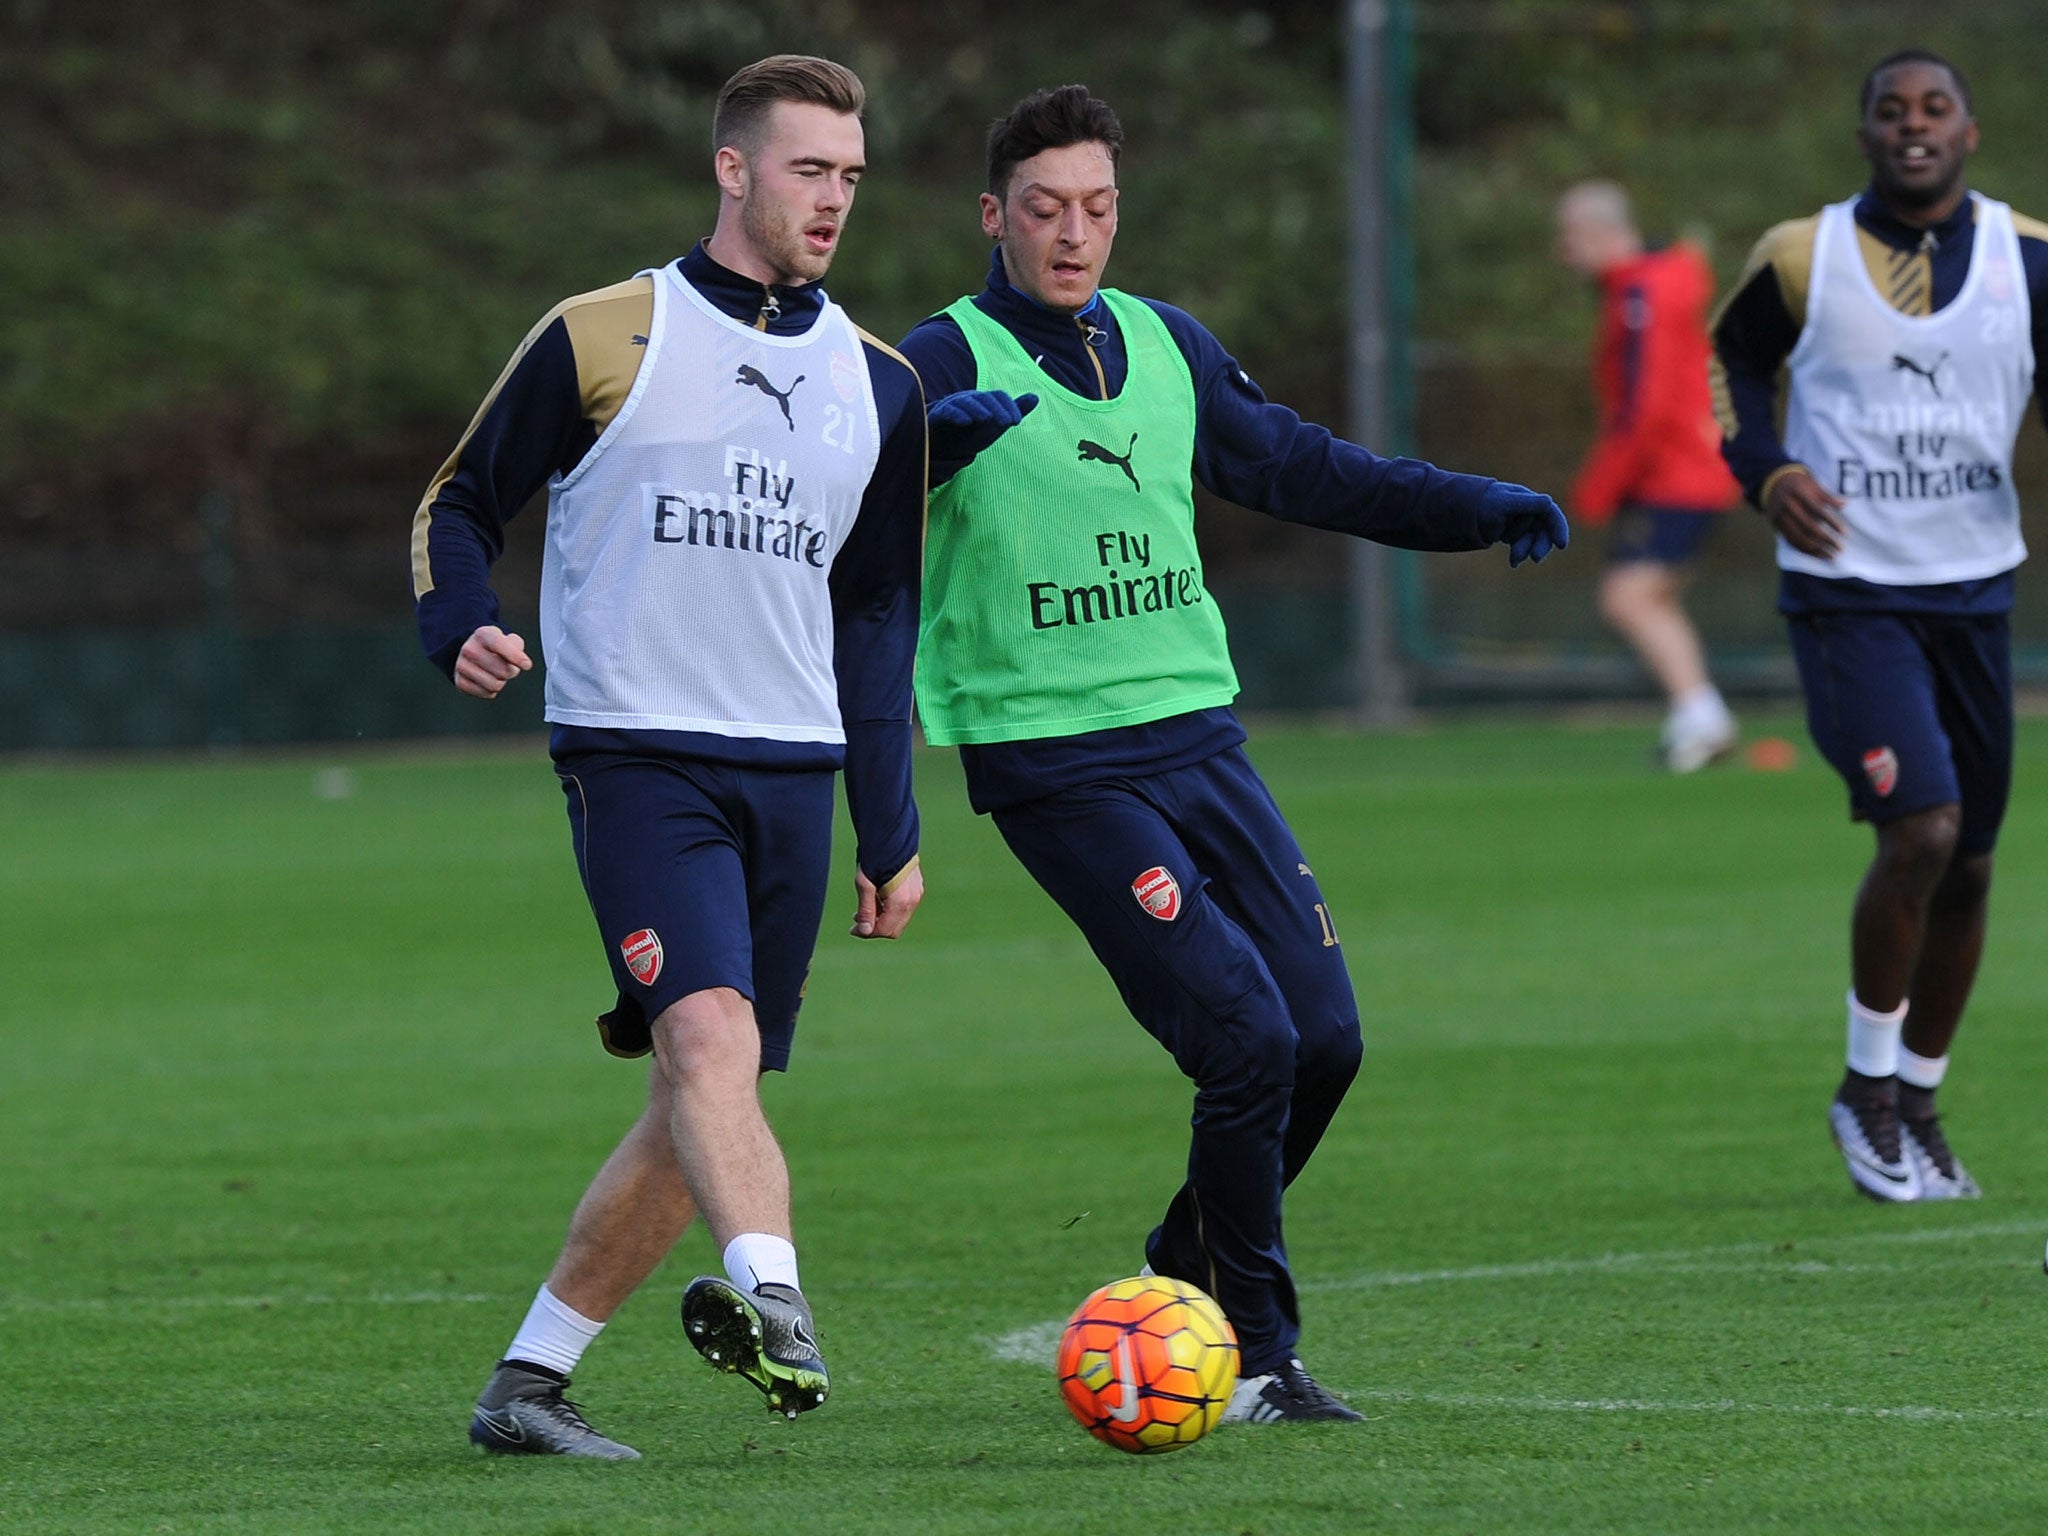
<point>1658,535</point>
<point>1914,711</point>
<point>701,875</point>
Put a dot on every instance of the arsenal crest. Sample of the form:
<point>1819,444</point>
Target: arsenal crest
<point>1158,893</point>
<point>1881,765</point>
<point>643,955</point>
<point>845,377</point>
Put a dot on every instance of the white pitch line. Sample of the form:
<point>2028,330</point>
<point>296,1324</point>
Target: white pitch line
<point>1622,1263</point>
<point>1913,1411</point>
<point>1677,1259</point>
<point>26,1305</point>
<point>1036,1344</point>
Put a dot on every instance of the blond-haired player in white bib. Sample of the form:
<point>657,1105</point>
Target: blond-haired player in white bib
<point>729,600</point>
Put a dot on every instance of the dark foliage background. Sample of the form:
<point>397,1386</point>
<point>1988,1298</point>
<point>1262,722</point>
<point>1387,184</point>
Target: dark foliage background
<point>277,250</point>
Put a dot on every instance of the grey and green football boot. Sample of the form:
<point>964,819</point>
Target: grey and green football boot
<point>765,1335</point>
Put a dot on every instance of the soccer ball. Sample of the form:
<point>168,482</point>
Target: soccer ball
<point>1148,1364</point>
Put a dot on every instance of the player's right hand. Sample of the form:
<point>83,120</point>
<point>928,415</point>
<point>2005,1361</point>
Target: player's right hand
<point>1803,510</point>
<point>963,424</point>
<point>488,660</point>
<point>880,914</point>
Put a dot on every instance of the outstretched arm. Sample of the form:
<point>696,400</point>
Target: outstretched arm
<point>1264,456</point>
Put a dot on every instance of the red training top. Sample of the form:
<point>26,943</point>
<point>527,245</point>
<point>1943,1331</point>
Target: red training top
<point>1659,445</point>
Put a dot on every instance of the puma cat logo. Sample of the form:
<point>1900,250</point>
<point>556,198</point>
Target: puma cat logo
<point>1101,455</point>
<point>1900,360</point>
<point>749,374</point>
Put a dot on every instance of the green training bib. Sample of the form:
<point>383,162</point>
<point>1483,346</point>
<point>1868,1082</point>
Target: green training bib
<point>1062,585</point>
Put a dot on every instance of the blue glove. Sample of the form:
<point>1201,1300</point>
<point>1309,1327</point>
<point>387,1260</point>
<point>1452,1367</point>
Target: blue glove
<point>964,424</point>
<point>1530,523</point>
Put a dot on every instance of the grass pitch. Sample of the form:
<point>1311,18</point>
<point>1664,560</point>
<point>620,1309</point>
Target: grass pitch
<point>298,1088</point>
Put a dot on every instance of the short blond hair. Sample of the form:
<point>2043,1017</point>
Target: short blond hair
<point>746,99</point>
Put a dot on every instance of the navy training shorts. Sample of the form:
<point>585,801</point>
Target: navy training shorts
<point>701,875</point>
<point>1913,711</point>
<point>1659,535</point>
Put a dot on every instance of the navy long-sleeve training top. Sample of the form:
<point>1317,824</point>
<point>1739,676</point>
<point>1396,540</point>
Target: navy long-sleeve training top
<point>1248,450</point>
<point>560,391</point>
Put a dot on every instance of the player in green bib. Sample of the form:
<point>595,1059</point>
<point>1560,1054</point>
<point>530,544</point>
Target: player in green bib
<point>1071,649</point>
<point>1028,629</point>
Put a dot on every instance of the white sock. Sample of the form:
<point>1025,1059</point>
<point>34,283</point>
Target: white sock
<point>1921,1071</point>
<point>755,1259</point>
<point>1701,708</point>
<point>1874,1039</point>
<point>554,1334</point>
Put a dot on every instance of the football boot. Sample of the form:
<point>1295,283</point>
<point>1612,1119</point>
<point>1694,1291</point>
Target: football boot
<point>765,1335</point>
<point>1942,1175</point>
<point>1867,1132</point>
<point>1697,738</point>
<point>523,1413</point>
<point>1287,1395</point>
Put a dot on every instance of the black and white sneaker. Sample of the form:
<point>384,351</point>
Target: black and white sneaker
<point>1289,1395</point>
<point>1867,1131</point>
<point>765,1335</point>
<point>1942,1175</point>
<point>523,1413</point>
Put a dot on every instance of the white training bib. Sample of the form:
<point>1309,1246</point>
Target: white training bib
<point>684,586</point>
<point>1911,419</point>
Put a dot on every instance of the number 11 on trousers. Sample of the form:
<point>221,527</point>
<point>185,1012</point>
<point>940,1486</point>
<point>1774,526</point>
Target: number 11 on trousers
<point>1329,927</point>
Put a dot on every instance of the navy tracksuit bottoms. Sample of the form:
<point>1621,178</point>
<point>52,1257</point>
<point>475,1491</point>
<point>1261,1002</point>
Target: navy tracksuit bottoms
<point>1194,895</point>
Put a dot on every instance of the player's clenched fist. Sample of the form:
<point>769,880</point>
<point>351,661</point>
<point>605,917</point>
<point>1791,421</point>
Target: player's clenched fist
<point>488,660</point>
<point>885,913</point>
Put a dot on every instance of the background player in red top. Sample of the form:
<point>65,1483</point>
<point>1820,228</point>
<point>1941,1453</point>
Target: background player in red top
<point>1657,460</point>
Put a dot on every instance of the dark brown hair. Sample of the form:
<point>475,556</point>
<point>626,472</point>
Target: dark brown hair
<point>1049,120</point>
<point>745,100</point>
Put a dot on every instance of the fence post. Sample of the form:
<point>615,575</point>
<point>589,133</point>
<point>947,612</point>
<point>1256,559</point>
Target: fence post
<point>226,684</point>
<point>1376,102</point>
